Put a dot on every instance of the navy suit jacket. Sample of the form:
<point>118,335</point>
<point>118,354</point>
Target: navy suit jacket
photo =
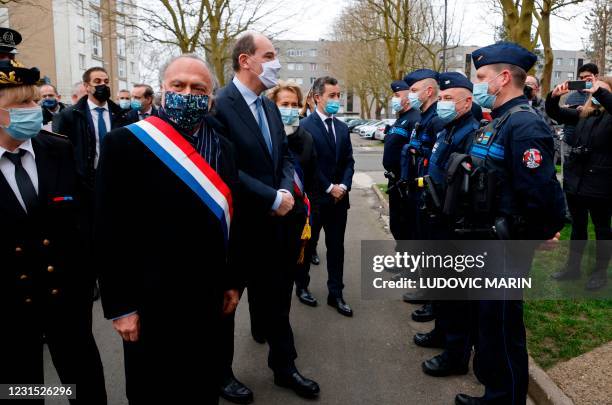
<point>132,115</point>
<point>336,164</point>
<point>260,173</point>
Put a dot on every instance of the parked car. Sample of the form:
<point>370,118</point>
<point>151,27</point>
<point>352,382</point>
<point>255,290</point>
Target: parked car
<point>380,129</point>
<point>355,123</point>
<point>367,131</point>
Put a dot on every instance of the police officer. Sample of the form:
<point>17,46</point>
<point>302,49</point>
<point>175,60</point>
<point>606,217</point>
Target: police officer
<point>9,39</point>
<point>451,331</point>
<point>516,150</point>
<point>423,96</point>
<point>45,288</point>
<point>397,136</point>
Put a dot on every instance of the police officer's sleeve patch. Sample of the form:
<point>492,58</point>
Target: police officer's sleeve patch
<point>532,158</point>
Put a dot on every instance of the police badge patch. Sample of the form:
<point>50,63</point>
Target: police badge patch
<point>532,158</point>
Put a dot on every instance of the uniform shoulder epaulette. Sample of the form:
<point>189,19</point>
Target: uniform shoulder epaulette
<point>55,134</point>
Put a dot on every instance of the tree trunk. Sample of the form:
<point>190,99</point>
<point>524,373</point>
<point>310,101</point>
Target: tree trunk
<point>544,28</point>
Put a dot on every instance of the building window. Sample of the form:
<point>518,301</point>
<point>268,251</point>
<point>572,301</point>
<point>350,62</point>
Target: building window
<point>122,68</point>
<point>312,80</point>
<point>313,67</point>
<point>557,74</point>
<point>96,45</point>
<point>290,52</point>
<point>121,46</point>
<point>290,66</point>
<point>81,61</point>
<point>299,80</point>
<point>299,66</point>
<point>96,20</point>
<point>327,66</point>
<point>559,61</point>
<point>571,61</point>
<point>132,68</point>
<point>120,23</point>
<point>123,84</point>
<point>80,6</point>
<point>81,34</point>
<point>313,53</point>
<point>570,76</point>
<point>326,52</point>
<point>458,58</point>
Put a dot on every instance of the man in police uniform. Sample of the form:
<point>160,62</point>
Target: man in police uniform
<point>397,136</point>
<point>9,39</point>
<point>423,96</point>
<point>451,332</point>
<point>516,149</point>
<point>45,288</point>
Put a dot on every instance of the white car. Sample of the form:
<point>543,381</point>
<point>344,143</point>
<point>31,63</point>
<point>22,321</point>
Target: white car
<point>367,131</point>
<point>380,129</point>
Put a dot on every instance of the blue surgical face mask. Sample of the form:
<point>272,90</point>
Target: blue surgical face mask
<point>332,106</point>
<point>589,85</point>
<point>415,101</point>
<point>136,104</point>
<point>25,123</point>
<point>446,111</point>
<point>186,110</point>
<point>124,104</point>
<point>482,96</point>
<point>49,103</point>
<point>594,101</point>
<point>396,104</point>
<point>289,115</point>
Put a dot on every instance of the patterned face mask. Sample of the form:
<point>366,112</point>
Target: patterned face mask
<point>186,110</point>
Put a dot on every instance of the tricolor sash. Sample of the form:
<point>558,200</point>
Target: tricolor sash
<point>183,160</point>
<point>298,189</point>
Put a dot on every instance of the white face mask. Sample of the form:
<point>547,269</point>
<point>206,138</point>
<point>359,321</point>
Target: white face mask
<point>269,73</point>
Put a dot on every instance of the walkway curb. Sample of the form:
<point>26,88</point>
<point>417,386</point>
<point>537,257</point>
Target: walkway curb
<point>380,196</point>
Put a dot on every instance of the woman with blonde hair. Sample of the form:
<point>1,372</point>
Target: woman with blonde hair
<point>587,175</point>
<point>45,287</point>
<point>287,97</point>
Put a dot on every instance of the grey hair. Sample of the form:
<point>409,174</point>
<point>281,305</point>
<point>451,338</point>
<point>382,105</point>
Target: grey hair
<point>166,65</point>
<point>75,88</point>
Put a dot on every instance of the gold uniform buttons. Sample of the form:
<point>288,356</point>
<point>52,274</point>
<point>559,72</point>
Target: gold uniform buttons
<point>50,269</point>
<point>46,242</point>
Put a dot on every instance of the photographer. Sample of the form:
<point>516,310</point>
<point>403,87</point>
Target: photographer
<point>587,175</point>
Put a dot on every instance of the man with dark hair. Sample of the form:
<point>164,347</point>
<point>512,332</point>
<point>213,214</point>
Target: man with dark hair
<point>266,172</point>
<point>142,103</point>
<point>589,73</point>
<point>50,102</point>
<point>336,168</point>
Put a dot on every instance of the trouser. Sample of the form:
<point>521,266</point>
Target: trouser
<point>455,321</point>
<point>401,222</point>
<point>333,219</point>
<point>601,213</point>
<point>67,332</point>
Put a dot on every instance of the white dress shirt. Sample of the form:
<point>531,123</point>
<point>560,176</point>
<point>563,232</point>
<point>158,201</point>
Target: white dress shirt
<point>94,118</point>
<point>29,164</point>
<point>250,98</point>
<point>323,118</point>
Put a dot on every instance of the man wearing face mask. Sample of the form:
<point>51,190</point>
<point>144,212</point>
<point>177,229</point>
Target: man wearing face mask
<point>142,103</point>
<point>398,136</point>
<point>521,200</point>
<point>451,331</point>
<point>164,223</point>
<point>45,286</point>
<point>124,100</point>
<point>255,127</point>
<point>50,102</point>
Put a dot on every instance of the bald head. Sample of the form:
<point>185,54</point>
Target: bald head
<point>187,74</point>
<point>461,97</point>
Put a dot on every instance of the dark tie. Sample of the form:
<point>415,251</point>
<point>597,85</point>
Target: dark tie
<point>144,116</point>
<point>101,123</point>
<point>330,130</point>
<point>263,125</point>
<point>24,183</point>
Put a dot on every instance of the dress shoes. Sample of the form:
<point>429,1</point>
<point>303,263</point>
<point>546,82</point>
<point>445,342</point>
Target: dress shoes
<point>424,314</point>
<point>258,335</point>
<point>301,385</point>
<point>598,280</point>
<point>306,297</point>
<point>431,339</point>
<point>463,399</point>
<point>341,306</point>
<point>441,366</point>
<point>234,391</point>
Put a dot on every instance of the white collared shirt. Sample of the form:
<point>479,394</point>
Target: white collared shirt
<point>141,115</point>
<point>323,118</point>
<point>94,118</point>
<point>29,164</point>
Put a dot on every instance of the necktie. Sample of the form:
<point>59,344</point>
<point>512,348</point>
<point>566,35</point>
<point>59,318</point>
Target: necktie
<point>330,130</point>
<point>101,123</point>
<point>144,116</point>
<point>263,125</point>
<point>24,183</point>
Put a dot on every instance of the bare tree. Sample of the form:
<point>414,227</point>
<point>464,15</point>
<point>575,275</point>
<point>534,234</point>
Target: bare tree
<point>599,23</point>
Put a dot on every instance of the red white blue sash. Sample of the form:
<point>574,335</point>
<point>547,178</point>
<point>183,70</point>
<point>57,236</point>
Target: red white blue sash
<point>189,166</point>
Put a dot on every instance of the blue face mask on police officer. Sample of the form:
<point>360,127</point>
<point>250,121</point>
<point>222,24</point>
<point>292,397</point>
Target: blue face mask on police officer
<point>25,123</point>
<point>482,96</point>
<point>446,110</point>
<point>415,101</point>
<point>396,104</point>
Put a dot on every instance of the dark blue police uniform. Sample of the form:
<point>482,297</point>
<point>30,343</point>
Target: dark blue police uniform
<point>397,136</point>
<point>515,150</point>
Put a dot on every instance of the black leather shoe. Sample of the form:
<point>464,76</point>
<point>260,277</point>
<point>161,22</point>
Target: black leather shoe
<point>342,307</point>
<point>598,280</point>
<point>258,335</point>
<point>315,259</point>
<point>424,314</point>
<point>235,391</point>
<point>441,366</point>
<point>566,274</point>
<point>431,339</point>
<point>298,383</point>
<point>463,399</point>
<point>306,297</point>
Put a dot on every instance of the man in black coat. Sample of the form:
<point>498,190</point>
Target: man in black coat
<point>162,248</point>
<point>142,103</point>
<point>262,229</point>
<point>50,102</point>
<point>45,289</point>
<point>336,167</point>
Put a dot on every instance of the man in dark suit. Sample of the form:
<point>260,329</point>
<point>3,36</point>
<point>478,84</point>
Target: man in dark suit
<point>336,167</point>
<point>142,103</point>
<point>50,102</point>
<point>262,229</point>
<point>45,288</point>
<point>162,245</point>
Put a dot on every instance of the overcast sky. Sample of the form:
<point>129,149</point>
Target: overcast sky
<point>316,21</point>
